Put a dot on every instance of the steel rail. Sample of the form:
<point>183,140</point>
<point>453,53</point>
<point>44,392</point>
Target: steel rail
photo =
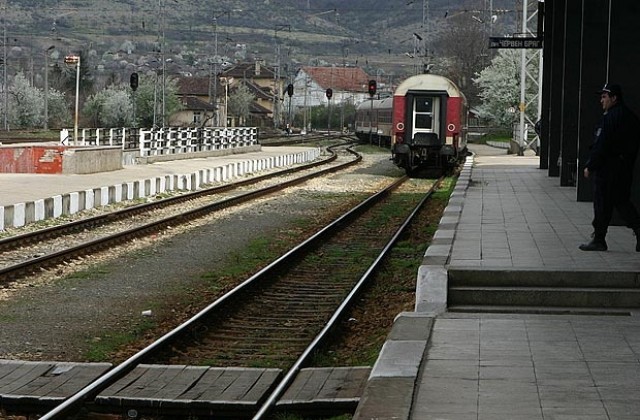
<point>99,220</point>
<point>122,369</point>
<point>286,381</point>
<point>14,271</point>
<point>125,367</point>
<point>91,390</point>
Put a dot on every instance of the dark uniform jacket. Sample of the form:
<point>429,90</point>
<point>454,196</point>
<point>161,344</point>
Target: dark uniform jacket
<point>616,141</point>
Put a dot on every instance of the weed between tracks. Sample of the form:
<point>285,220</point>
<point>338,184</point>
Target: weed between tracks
<point>362,332</point>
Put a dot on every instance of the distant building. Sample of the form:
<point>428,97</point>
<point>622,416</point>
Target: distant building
<point>205,99</point>
<point>349,85</point>
<point>198,101</point>
<point>266,89</point>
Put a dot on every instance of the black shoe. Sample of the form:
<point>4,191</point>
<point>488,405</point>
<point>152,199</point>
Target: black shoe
<point>595,246</point>
<point>637,233</point>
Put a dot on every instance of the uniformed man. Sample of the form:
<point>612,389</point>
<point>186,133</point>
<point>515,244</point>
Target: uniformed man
<point>610,166</point>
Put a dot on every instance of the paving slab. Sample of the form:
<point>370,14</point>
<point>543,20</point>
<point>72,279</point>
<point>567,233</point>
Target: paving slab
<point>514,219</point>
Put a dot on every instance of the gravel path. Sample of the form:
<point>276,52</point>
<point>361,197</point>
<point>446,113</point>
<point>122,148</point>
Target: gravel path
<point>61,315</point>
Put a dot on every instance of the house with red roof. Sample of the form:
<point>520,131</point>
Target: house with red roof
<point>348,85</point>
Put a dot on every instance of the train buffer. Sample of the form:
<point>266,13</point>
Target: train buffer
<point>37,387</point>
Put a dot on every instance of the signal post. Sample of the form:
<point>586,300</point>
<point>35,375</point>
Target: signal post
<point>372,89</point>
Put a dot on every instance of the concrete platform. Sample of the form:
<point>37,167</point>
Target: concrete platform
<point>508,220</point>
<point>27,198</point>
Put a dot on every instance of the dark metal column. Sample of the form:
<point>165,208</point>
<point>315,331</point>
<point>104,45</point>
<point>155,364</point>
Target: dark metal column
<point>556,85</point>
<point>624,63</point>
<point>594,65</point>
<point>570,94</point>
<point>546,84</point>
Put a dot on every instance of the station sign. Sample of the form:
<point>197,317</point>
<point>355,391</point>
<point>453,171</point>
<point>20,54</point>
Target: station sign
<point>71,59</point>
<point>507,42</point>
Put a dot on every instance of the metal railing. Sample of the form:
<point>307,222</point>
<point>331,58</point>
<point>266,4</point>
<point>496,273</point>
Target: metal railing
<point>165,141</point>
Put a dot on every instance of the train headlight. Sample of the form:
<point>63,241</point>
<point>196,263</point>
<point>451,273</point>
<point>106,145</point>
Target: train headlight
<point>400,126</point>
<point>451,127</point>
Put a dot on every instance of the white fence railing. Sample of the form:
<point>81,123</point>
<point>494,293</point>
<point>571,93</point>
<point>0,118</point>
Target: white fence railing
<point>164,141</point>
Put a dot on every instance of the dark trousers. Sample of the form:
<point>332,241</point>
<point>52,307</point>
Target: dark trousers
<point>612,189</point>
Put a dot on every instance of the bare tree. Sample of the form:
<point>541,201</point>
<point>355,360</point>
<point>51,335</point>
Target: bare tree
<point>240,102</point>
<point>462,47</point>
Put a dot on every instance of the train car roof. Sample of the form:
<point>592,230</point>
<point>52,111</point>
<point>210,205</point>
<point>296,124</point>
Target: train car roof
<point>428,82</point>
<point>377,104</point>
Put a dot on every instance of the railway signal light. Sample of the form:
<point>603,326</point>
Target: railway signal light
<point>373,87</point>
<point>290,90</point>
<point>329,93</point>
<point>133,81</point>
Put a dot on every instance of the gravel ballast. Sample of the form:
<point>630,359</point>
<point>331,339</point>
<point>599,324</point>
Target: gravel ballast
<point>64,314</point>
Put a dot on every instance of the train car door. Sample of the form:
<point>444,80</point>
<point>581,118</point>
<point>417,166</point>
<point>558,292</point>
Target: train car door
<point>425,119</point>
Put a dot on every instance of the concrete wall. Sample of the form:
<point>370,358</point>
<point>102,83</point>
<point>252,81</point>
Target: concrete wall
<point>89,160</point>
<point>56,159</point>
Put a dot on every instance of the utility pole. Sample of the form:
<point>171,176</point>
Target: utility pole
<point>276,76</point>
<point>46,86</point>
<point>304,106</point>
<point>5,87</point>
<point>163,65</point>
<point>75,60</point>
<point>425,29</point>
<point>215,72</point>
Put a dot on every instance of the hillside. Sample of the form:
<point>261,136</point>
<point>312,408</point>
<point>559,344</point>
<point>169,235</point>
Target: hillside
<point>120,36</point>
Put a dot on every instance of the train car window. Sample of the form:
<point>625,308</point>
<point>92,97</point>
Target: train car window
<point>423,121</point>
<point>425,107</point>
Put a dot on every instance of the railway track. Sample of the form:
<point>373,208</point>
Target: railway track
<point>281,315</point>
<point>30,252</point>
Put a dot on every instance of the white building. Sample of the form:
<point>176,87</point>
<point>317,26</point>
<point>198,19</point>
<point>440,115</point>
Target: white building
<point>349,85</point>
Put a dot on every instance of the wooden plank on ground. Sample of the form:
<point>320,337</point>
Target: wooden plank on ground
<point>27,384</point>
<point>8,366</point>
<point>326,389</point>
<point>209,386</point>
<point>28,372</point>
<point>162,376</point>
<point>298,385</point>
<point>313,384</point>
<point>243,381</point>
<point>191,388</point>
<point>264,385</point>
<point>61,381</point>
<point>73,380</point>
<point>113,391</point>
<point>354,384</point>
<point>344,383</point>
<point>182,383</point>
<point>130,389</point>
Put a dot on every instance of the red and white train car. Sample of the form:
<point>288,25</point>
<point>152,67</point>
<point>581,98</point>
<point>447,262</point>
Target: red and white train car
<point>424,123</point>
<point>429,123</point>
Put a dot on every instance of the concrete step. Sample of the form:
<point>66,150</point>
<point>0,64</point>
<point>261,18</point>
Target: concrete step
<point>542,310</point>
<point>534,278</point>
<point>588,297</point>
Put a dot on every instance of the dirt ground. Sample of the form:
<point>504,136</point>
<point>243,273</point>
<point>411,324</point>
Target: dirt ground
<point>65,314</point>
